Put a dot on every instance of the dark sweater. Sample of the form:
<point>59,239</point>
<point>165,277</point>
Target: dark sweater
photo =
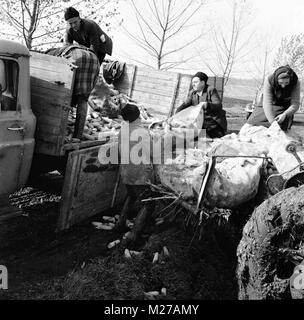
<point>89,36</point>
<point>214,114</point>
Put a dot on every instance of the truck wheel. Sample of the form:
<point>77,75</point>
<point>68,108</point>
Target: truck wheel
<point>271,246</point>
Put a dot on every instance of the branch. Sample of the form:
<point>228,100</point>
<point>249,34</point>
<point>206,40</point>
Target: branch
<point>144,20</point>
<point>48,33</point>
<point>142,44</point>
<point>17,23</point>
<point>182,47</point>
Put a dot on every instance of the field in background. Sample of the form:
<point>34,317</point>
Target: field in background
<point>235,112</point>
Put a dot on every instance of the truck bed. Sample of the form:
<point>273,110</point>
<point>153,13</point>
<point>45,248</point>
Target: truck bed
<point>52,81</point>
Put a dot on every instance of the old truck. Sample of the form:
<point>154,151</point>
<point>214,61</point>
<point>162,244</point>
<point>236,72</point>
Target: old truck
<point>35,104</point>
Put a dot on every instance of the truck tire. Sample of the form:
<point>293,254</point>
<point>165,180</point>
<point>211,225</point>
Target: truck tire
<point>270,247</point>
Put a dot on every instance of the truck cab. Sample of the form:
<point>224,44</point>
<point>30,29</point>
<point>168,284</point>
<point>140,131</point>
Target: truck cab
<point>17,121</point>
<point>36,94</point>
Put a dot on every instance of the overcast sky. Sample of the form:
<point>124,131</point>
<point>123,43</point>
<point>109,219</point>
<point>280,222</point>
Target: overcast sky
<point>269,19</point>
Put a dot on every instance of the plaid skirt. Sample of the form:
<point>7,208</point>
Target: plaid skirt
<point>87,72</point>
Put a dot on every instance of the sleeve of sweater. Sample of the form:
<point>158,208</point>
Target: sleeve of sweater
<point>187,103</point>
<point>95,42</point>
<point>214,105</point>
<point>295,100</point>
<point>267,101</point>
<point>68,39</point>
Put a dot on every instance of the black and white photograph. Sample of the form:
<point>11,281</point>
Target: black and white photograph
<point>152,153</point>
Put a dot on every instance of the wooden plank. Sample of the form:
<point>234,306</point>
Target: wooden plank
<point>156,88</point>
<point>68,187</point>
<point>54,96</point>
<point>44,119</point>
<point>48,129</point>
<point>174,95</point>
<point>151,96</point>
<point>49,85</point>
<point>50,101</point>
<point>158,110</point>
<point>144,84</point>
<point>45,147</point>
<point>132,81</point>
<point>52,76</point>
<point>156,74</point>
<point>36,56</point>
<point>88,187</point>
<point>55,111</point>
<point>43,136</point>
<point>82,145</point>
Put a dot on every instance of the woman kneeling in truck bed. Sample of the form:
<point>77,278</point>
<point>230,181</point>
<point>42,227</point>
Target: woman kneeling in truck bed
<point>85,79</point>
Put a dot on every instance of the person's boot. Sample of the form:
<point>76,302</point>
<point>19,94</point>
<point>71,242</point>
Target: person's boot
<point>121,223</point>
<point>139,225</point>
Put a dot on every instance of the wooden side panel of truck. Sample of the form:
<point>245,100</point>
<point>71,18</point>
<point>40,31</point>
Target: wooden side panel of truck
<point>161,92</point>
<point>88,186</point>
<point>52,83</point>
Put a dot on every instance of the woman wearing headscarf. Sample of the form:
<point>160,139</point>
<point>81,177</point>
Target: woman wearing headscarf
<point>280,101</point>
<point>215,121</point>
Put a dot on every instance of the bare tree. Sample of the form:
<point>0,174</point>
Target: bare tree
<point>163,30</point>
<point>40,22</point>
<point>228,45</point>
<point>262,62</point>
<point>291,51</point>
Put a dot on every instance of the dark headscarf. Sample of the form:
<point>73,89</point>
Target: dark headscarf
<point>280,94</point>
<point>202,76</point>
<point>70,12</point>
<point>130,112</point>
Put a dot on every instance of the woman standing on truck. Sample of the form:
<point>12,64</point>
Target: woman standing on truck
<point>215,121</point>
<point>280,100</point>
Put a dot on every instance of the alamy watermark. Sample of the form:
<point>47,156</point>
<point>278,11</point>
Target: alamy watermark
<point>3,278</point>
<point>138,146</point>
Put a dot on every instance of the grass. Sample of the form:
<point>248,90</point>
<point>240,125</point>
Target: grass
<point>202,271</point>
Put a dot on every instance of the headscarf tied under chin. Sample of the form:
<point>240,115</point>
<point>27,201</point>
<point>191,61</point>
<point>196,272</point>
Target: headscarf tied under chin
<point>282,93</point>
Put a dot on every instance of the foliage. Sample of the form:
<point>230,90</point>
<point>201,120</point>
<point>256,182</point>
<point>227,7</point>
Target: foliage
<point>291,51</point>
<point>40,23</point>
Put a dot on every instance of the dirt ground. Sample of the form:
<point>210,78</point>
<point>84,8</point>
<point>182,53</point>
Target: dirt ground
<point>76,264</point>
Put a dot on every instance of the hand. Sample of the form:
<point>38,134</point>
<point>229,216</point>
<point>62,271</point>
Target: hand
<point>204,105</point>
<point>103,38</point>
<point>280,118</point>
